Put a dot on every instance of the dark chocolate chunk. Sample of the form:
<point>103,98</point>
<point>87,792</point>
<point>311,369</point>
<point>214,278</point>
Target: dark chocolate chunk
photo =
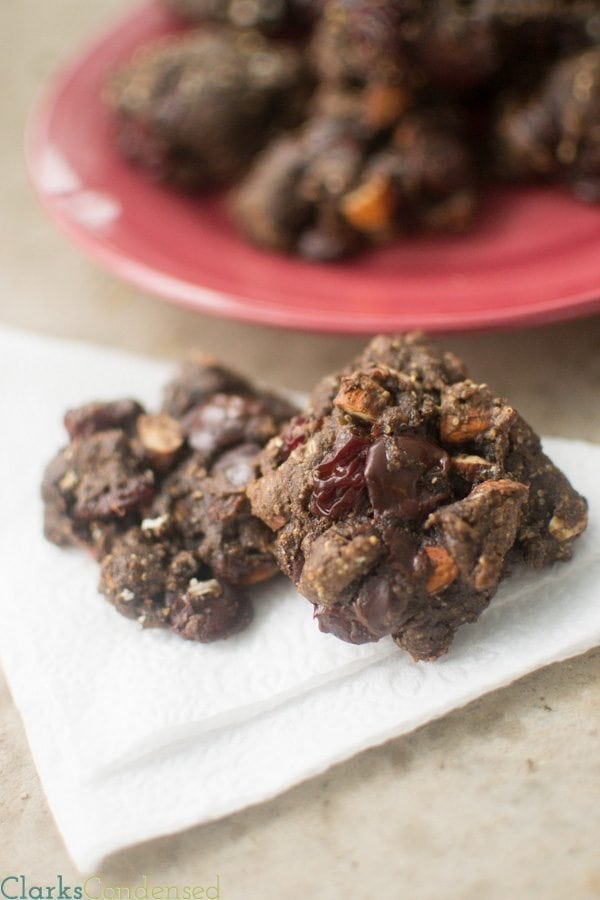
<point>226,420</point>
<point>406,476</point>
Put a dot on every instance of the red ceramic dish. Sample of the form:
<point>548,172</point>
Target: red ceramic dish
<point>534,256</point>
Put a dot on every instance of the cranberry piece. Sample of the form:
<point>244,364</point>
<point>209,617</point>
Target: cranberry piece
<point>339,482</point>
<point>406,476</point>
<point>294,435</point>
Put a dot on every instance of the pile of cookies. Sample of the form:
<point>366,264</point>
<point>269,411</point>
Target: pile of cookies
<point>396,501</point>
<point>342,124</point>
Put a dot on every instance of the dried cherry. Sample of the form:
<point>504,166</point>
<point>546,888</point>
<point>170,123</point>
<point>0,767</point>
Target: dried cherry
<point>339,482</point>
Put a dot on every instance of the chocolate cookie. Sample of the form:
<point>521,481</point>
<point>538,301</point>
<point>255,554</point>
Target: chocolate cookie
<point>453,45</point>
<point>555,133</point>
<point>333,187</point>
<point>401,495</point>
<point>160,499</point>
<point>192,110</point>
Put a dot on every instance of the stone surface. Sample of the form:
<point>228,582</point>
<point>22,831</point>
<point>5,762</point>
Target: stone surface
<point>497,800</point>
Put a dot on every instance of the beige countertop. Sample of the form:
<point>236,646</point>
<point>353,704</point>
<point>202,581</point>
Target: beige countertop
<point>498,800</point>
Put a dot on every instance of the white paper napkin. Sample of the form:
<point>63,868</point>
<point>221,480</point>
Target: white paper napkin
<point>138,733</point>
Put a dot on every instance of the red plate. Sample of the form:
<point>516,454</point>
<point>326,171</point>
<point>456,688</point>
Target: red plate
<point>534,257</point>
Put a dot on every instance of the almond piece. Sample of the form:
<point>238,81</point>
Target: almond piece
<point>472,467</point>
<point>565,531</point>
<point>462,428</point>
<point>362,397</point>
<point>162,438</point>
<point>444,572</point>
<point>370,206</point>
<point>384,103</point>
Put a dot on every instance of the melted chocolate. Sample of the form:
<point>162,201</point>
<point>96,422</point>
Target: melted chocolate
<point>400,476</point>
<point>340,621</point>
<point>379,608</point>
<point>402,548</point>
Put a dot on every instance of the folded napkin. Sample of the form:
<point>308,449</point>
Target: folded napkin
<point>139,733</point>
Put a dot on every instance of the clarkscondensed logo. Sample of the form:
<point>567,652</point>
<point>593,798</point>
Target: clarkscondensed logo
<point>17,887</point>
